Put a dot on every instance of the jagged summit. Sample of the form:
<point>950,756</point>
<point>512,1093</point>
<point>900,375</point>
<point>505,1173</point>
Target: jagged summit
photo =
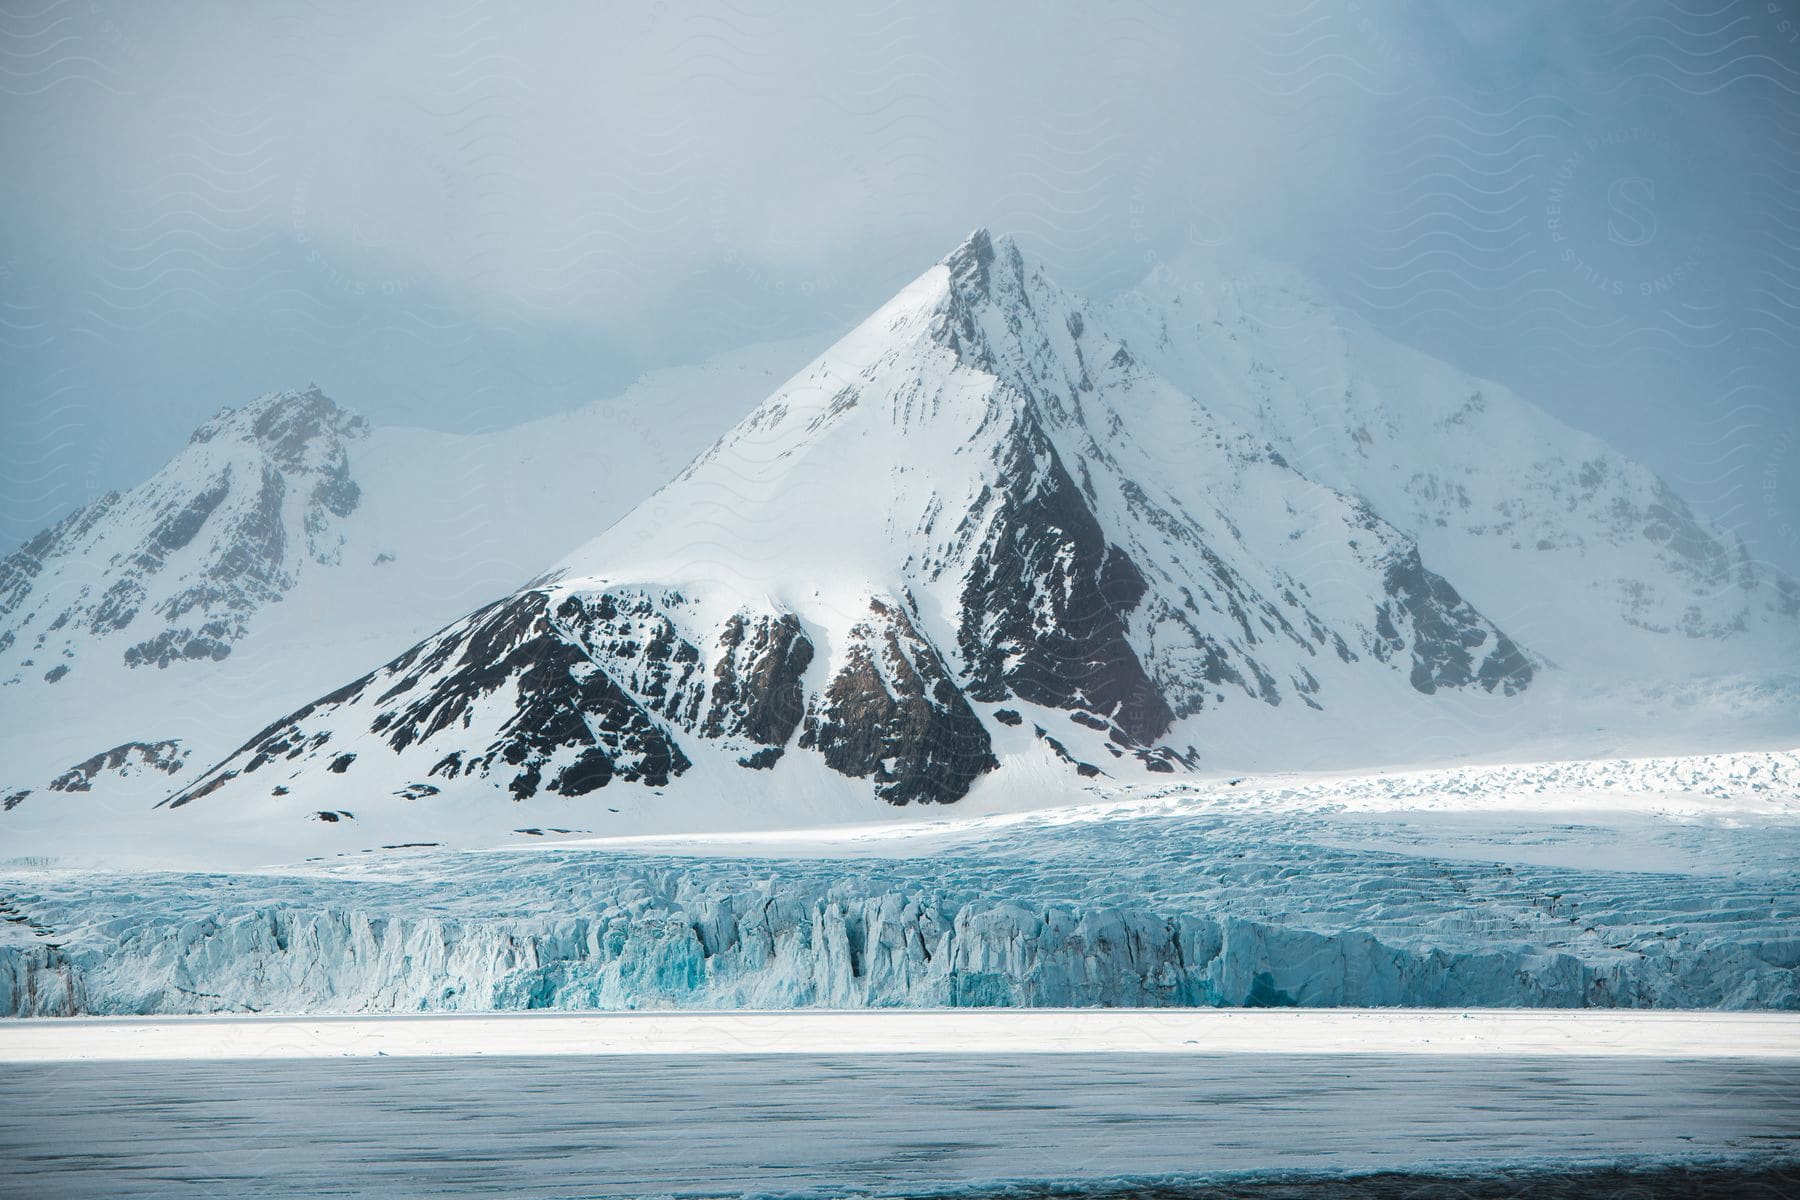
<point>969,263</point>
<point>299,429</point>
<point>175,569</point>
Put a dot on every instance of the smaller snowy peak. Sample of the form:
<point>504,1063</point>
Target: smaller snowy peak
<point>166,757</point>
<point>148,765</point>
<point>301,431</point>
<point>1586,556</point>
<point>175,569</point>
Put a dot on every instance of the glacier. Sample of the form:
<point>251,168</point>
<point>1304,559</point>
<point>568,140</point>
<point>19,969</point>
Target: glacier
<point>1154,905</point>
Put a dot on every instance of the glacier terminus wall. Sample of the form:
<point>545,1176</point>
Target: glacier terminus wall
<point>1252,910</point>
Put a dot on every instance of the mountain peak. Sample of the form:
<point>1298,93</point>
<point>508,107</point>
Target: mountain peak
<point>294,427</point>
<point>971,264</point>
<point>194,552</point>
<point>950,543</point>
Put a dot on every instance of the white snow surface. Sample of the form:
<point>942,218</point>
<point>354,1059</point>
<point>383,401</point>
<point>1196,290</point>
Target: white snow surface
<point>1580,554</point>
<point>984,1032</point>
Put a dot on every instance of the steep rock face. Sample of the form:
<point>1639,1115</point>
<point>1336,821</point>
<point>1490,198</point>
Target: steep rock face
<point>892,714</point>
<point>569,691</point>
<point>1446,633</point>
<point>508,695</point>
<point>1047,600</point>
<point>177,568</point>
<point>758,693</point>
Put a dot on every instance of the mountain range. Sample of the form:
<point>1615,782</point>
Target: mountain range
<point>998,539</point>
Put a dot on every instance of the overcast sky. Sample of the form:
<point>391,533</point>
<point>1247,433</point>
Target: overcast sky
<point>462,216</point>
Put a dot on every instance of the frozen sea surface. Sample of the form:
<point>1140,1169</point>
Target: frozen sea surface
<point>778,1125</point>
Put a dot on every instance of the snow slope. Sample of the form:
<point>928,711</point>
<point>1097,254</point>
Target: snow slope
<point>290,544</point>
<point>1588,558</point>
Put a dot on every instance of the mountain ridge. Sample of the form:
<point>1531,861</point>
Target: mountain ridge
<point>969,393</point>
<point>997,537</point>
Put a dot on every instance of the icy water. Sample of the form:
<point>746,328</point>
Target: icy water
<point>813,1125</point>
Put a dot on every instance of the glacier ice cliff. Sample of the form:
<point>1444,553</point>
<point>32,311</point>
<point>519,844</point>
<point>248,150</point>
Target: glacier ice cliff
<point>1242,911</point>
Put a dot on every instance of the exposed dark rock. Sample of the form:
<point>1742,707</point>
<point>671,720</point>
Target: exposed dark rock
<point>757,692</point>
<point>118,606</point>
<point>1085,769</point>
<point>217,546</point>
<point>566,709</point>
<point>1047,598</point>
<point>168,756</point>
<point>22,566</point>
<point>892,714</point>
<point>1446,633</point>
<point>179,526</point>
<point>969,264</point>
<point>628,634</point>
<point>174,645</point>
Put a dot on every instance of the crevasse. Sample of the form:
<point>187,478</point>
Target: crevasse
<point>792,946</point>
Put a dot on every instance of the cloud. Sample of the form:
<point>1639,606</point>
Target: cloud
<point>466,216</point>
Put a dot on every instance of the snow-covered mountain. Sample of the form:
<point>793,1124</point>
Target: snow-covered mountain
<point>979,529</point>
<point>997,540</point>
<point>290,544</point>
<point>1583,555</point>
<point>177,569</point>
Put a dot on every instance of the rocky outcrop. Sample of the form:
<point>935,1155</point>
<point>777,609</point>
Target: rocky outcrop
<point>507,694</point>
<point>892,714</point>
<point>1046,599</point>
<point>758,693</point>
<point>168,757</point>
<point>1450,643</point>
